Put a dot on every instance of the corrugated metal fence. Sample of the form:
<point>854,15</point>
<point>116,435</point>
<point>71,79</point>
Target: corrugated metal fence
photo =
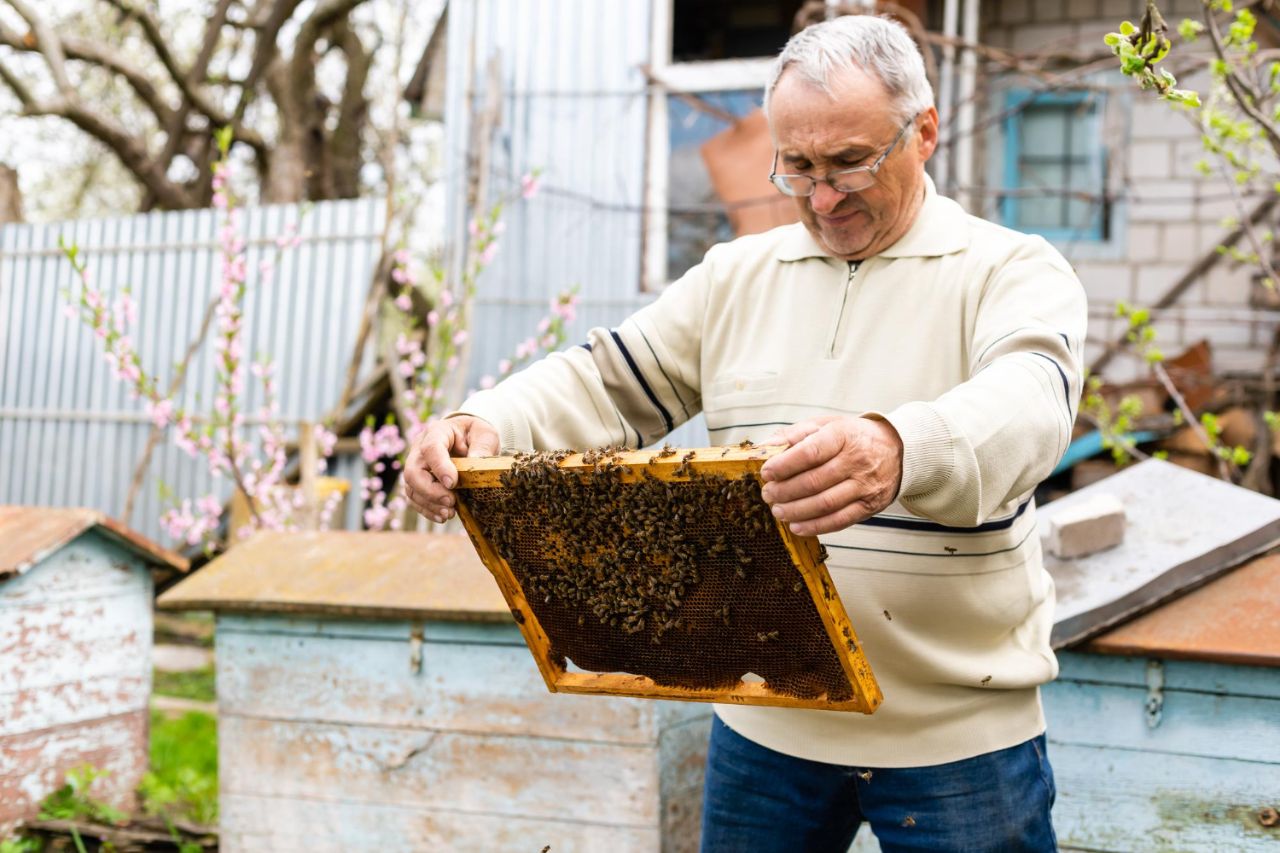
<point>70,435</point>
<point>575,106</point>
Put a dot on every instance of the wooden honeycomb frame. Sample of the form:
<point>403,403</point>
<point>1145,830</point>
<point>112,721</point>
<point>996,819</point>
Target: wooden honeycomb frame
<point>732,462</point>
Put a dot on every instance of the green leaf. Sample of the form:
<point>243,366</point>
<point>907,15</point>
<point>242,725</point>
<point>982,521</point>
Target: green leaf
<point>1190,30</point>
<point>1127,28</point>
<point>1111,39</point>
<point>224,136</point>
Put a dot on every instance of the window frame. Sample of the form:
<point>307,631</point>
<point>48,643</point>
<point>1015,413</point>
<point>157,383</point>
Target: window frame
<point>1017,100</point>
<point>673,77</point>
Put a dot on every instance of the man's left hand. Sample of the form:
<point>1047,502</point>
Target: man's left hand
<point>836,472</point>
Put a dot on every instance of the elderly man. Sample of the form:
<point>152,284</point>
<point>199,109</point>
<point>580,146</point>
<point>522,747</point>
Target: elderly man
<point>924,367</point>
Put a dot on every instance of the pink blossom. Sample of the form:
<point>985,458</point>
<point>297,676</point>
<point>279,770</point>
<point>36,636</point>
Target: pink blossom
<point>548,341</point>
<point>529,185</point>
<point>433,318</point>
<point>404,302</point>
<point>399,275</point>
<point>473,227</point>
<point>452,363</point>
<point>446,298</point>
<point>405,369</point>
<point>543,325</point>
<point>459,337</point>
<point>504,366</point>
<point>71,311</point>
<point>404,346</point>
<point>160,412</point>
<point>402,257</point>
<point>486,382</point>
<point>487,256</point>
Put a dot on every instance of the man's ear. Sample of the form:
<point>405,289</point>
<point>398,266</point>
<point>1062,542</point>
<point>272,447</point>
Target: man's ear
<point>927,128</point>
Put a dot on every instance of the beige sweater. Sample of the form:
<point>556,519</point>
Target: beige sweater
<point>966,337</point>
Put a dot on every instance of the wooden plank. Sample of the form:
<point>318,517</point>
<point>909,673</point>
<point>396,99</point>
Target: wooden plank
<point>338,572</point>
<point>682,759</point>
<point>88,568</point>
<point>59,643</point>
<point>1234,619</point>
<point>635,467</point>
<point>1244,728</point>
<point>253,823</point>
<point>1178,675</point>
<point>473,688</point>
<point>34,764</point>
<point>474,633</point>
<point>88,698</point>
<point>490,774</point>
<point>1121,800</point>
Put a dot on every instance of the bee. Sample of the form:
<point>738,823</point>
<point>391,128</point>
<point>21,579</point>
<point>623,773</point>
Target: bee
<point>864,775</point>
<point>888,616</point>
<point>986,681</point>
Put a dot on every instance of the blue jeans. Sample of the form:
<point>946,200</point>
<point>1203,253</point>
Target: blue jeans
<point>756,800</point>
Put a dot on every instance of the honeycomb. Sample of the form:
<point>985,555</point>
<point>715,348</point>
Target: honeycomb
<point>684,578</point>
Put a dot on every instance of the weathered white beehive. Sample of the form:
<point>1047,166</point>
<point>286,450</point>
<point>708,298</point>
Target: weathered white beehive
<point>375,694</point>
<point>75,653</point>
<point>1164,733</point>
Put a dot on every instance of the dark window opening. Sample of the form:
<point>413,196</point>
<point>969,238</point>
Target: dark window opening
<point>730,29</point>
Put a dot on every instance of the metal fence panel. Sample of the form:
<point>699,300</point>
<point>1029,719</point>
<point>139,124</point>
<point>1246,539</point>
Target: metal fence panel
<point>70,434</point>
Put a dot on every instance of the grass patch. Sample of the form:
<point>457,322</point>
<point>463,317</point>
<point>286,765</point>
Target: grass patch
<point>183,780</point>
<point>195,684</point>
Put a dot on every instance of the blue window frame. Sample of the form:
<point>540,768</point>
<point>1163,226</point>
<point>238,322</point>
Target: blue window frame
<point>1055,166</point>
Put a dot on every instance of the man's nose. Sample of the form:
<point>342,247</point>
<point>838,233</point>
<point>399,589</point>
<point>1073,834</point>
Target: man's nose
<point>825,198</point>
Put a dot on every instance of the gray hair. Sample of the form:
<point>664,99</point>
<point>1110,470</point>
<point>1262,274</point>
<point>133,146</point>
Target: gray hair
<point>878,46</point>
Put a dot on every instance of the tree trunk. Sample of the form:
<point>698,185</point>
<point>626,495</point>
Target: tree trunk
<point>10,196</point>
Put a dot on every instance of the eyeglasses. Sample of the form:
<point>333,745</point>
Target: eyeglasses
<point>852,180</point>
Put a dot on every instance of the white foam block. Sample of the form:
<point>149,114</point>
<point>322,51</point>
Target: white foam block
<point>1087,528</point>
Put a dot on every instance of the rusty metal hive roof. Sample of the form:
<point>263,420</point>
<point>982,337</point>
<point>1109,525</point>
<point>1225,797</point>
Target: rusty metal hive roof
<point>347,573</point>
<point>28,534</point>
<point>1234,619</point>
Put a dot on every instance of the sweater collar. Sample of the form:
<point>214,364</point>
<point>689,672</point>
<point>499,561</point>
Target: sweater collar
<point>940,228</point>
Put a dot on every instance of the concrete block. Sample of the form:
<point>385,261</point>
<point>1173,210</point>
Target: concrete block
<point>1154,279</point>
<point>1039,37</point>
<point>1181,242</point>
<point>1153,119</point>
<point>1150,159</point>
<point>1228,287</point>
<point>1163,201</point>
<point>1081,10</point>
<point>1086,528</point>
<point>1106,283</point>
<point>1011,12</point>
<point>1143,241</point>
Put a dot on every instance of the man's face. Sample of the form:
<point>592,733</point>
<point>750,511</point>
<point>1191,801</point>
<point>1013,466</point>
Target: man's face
<point>816,135</point>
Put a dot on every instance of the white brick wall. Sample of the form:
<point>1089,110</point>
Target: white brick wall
<point>1171,215</point>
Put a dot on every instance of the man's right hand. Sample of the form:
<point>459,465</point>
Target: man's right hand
<point>429,475</point>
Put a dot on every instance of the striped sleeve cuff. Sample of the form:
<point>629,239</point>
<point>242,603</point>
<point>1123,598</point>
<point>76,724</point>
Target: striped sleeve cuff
<point>927,448</point>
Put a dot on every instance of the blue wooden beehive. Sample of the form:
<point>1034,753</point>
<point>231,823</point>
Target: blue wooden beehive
<point>374,694</point>
<point>75,653</point>
<point>1164,734</point>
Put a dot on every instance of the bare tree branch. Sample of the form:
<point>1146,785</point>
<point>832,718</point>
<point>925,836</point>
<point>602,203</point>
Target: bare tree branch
<point>353,113</point>
<point>82,50</point>
<point>50,46</point>
<point>175,125</point>
<point>189,87</point>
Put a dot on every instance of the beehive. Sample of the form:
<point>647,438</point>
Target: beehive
<point>663,574</point>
